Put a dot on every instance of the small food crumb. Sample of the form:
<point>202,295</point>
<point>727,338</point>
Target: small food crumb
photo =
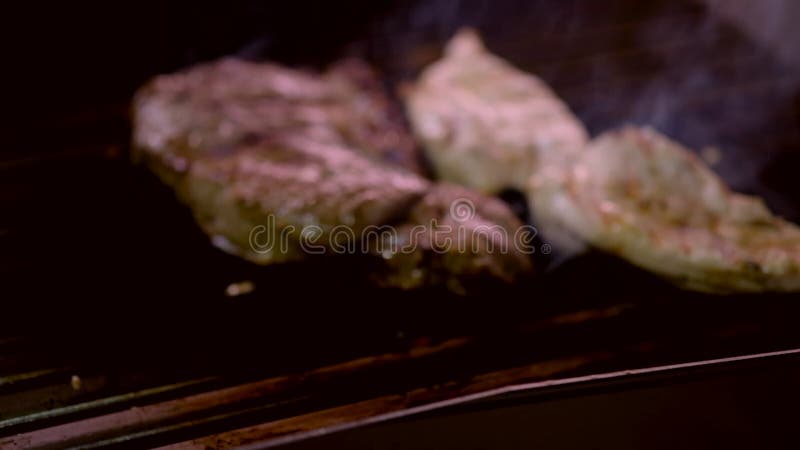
<point>75,382</point>
<point>240,288</point>
<point>711,155</point>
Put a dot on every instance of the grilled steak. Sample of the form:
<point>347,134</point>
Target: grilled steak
<point>246,199</point>
<point>214,107</point>
<point>276,164</point>
<point>487,125</point>
<point>639,195</point>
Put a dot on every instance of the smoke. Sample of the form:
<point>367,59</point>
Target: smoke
<point>773,23</point>
<point>714,74</point>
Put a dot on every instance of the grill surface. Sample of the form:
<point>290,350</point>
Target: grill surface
<point>117,332</point>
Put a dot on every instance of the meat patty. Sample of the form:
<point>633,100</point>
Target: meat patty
<point>277,164</point>
<point>639,195</point>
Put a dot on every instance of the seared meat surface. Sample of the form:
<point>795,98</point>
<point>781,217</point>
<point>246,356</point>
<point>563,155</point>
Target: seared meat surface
<point>486,124</point>
<point>247,198</point>
<point>633,193</point>
<point>277,164</point>
<point>214,107</point>
<point>489,126</point>
<point>639,195</point>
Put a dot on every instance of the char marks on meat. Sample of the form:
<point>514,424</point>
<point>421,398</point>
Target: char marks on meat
<point>213,108</point>
<point>489,126</point>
